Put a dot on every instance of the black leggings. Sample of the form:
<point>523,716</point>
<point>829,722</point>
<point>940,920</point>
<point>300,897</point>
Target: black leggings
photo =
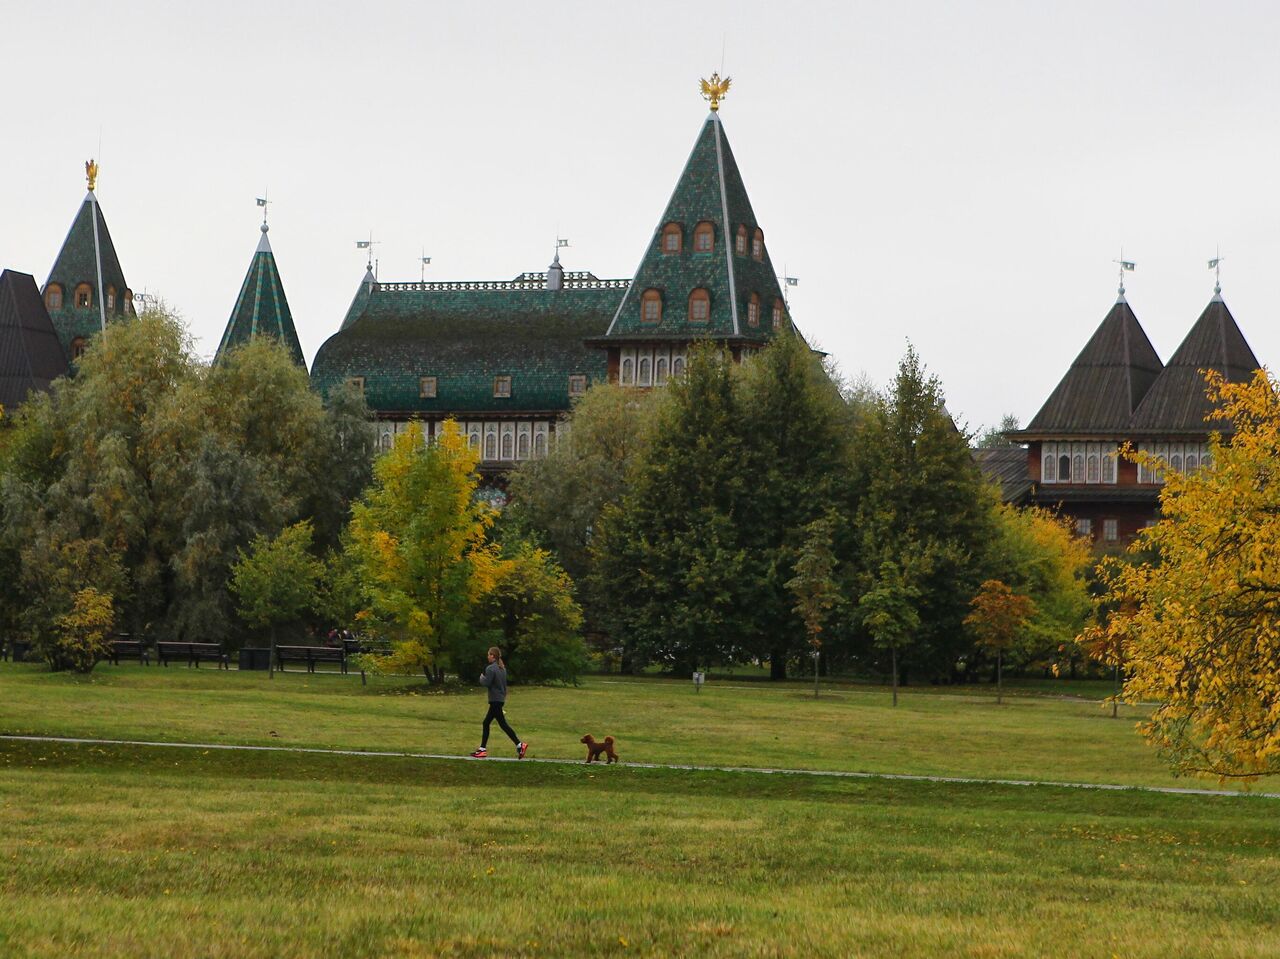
<point>495,712</point>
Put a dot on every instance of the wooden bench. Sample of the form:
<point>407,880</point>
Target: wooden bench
<point>192,654</point>
<point>310,655</point>
<point>129,649</point>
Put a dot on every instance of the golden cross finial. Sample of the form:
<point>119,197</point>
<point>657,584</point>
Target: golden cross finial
<point>91,172</point>
<point>715,90</point>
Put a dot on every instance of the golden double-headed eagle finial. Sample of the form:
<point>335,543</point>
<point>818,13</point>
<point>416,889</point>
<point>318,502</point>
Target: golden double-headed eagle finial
<point>91,173</point>
<point>715,90</point>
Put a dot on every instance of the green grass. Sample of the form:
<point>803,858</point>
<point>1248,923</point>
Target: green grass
<point>140,852</point>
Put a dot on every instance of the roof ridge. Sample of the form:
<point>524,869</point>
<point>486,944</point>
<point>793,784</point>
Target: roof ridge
<point>728,249</point>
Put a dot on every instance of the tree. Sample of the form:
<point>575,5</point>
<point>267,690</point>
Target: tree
<point>417,540</point>
<point>276,580</point>
<point>993,436</point>
<point>889,615</point>
<point>998,618</point>
<point>814,585</point>
<point>83,631</point>
<point>1200,624</point>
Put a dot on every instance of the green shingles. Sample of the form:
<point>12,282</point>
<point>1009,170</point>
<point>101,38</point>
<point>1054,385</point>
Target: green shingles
<point>703,194</point>
<point>465,338</point>
<point>262,309</point>
<point>76,264</point>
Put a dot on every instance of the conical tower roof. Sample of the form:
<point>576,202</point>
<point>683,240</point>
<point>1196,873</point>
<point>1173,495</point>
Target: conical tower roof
<point>710,190</point>
<point>1176,402</point>
<point>30,356</point>
<point>368,286</point>
<point>76,267</point>
<point>1107,381</point>
<point>261,308</point>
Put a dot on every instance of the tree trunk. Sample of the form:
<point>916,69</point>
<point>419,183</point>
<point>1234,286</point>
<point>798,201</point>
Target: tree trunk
<point>815,675</point>
<point>1115,692</point>
<point>893,658</point>
<point>778,663</point>
<point>999,676</point>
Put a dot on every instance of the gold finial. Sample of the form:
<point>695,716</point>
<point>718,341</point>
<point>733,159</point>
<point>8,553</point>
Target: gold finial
<point>715,90</point>
<point>91,172</point>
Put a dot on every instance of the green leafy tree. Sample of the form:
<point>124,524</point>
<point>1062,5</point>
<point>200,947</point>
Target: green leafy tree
<point>275,582</point>
<point>994,436</point>
<point>814,586</point>
<point>417,540</point>
<point>889,614</point>
<point>69,587</point>
<point>998,618</point>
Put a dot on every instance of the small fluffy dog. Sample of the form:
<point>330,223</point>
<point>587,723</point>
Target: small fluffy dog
<point>594,749</point>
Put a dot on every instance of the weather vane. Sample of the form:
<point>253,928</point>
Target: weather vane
<point>715,90</point>
<point>91,173</point>
<point>1126,266</point>
<point>425,261</point>
<point>368,245</point>
<point>1216,265</point>
<point>262,202</point>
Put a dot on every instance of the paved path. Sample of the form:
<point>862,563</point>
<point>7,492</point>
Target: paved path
<point>831,773</point>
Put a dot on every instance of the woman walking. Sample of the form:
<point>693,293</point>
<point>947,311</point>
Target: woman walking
<point>495,677</point>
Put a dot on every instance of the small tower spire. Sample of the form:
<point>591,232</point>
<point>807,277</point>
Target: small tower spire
<point>1216,265</point>
<point>1126,266</point>
<point>715,90</point>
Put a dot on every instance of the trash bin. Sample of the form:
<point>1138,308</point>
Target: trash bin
<point>255,658</point>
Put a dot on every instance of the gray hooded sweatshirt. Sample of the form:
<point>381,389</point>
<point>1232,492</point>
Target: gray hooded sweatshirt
<point>495,677</point>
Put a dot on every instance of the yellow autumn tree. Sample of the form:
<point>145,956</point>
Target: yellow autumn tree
<point>417,543</point>
<point>1199,624</point>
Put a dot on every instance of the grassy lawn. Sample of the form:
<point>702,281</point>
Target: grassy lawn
<point>141,852</point>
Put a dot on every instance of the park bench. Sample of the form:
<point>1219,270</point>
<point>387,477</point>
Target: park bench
<point>310,655</point>
<point>192,654</point>
<point>129,649</point>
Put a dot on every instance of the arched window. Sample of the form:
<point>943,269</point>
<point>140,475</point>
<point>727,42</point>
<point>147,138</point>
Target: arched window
<point>1193,463</point>
<point>757,244</point>
<point>753,310</point>
<point>740,241</point>
<point>1077,468</point>
<point>672,238</point>
<point>1175,463</point>
<point>651,306</point>
<point>704,237</point>
<point>626,372</point>
<point>1109,468</point>
<point>491,445</point>
<point>474,439</point>
<point>128,301</point>
<point>508,445</point>
<point>779,308</point>
<point>386,441</point>
<point>1094,471</point>
<point>84,295</point>
<point>77,347</point>
<point>540,444</point>
<point>522,446</point>
<point>1050,470</point>
<point>53,296</point>
<point>1206,461</point>
<point>660,371</point>
<point>1064,468</point>
<point>677,366</point>
<point>699,306</point>
<point>111,298</point>
<point>643,379</point>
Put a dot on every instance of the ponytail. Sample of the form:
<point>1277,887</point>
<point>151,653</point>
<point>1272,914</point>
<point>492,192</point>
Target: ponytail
<point>496,653</point>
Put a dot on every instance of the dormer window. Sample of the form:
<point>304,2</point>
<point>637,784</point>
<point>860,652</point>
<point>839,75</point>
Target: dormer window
<point>753,310</point>
<point>704,237</point>
<point>111,298</point>
<point>357,382</point>
<point>427,387</point>
<point>757,245</point>
<point>501,387</point>
<point>779,308</point>
<point>128,301</point>
<point>740,242</point>
<point>577,384</point>
<point>77,347</point>
<point>699,306</point>
<point>84,296</point>
<point>672,238</point>
<point>53,296</point>
<point>651,306</point>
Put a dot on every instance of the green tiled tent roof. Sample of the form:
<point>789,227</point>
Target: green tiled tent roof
<point>709,189</point>
<point>77,264</point>
<point>261,308</point>
<point>30,356</point>
<point>465,334</point>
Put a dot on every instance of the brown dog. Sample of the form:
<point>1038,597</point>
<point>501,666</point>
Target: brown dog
<point>594,749</point>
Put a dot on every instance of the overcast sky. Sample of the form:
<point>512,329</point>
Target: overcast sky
<point>960,175</point>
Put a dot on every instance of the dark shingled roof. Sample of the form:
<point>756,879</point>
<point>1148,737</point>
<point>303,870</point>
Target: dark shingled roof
<point>1176,402</point>
<point>465,334</point>
<point>261,308</point>
<point>30,356</point>
<point>368,285</point>
<point>1105,384</point>
<point>1006,465</point>
<point>77,264</point>
<point>710,188</point>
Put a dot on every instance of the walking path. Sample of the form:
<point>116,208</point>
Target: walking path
<point>832,773</point>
